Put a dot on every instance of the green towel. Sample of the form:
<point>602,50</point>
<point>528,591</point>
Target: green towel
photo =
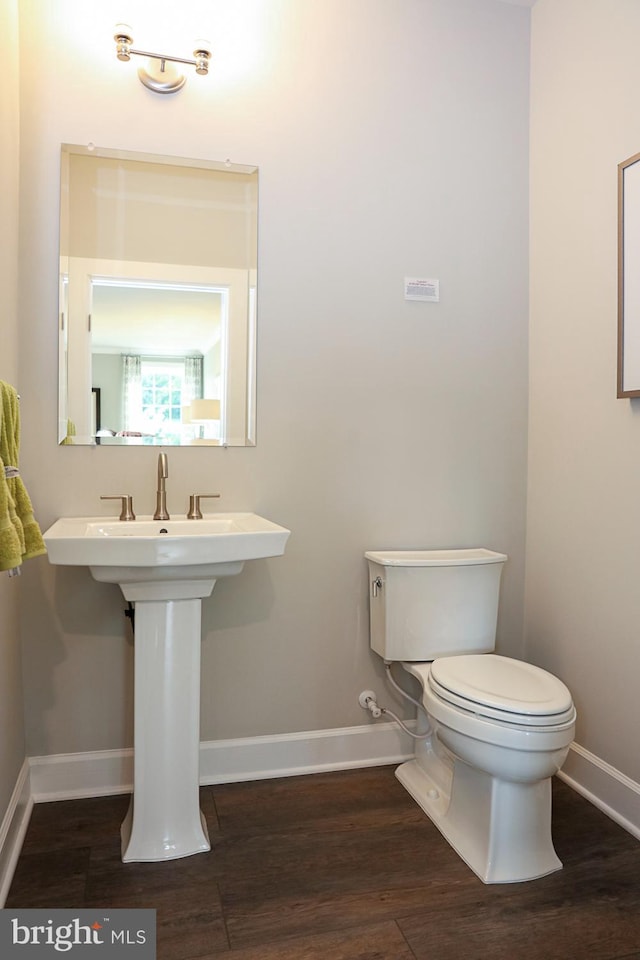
<point>11,544</point>
<point>20,536</point>
<point>71,432</point>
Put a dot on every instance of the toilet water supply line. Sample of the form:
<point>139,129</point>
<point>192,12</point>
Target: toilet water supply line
<point>369,701</point>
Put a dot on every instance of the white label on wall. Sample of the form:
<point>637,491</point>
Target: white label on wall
<point>417,289</point>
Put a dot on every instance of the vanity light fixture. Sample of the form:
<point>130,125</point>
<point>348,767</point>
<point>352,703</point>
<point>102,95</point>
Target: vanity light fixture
<point>160,74</point>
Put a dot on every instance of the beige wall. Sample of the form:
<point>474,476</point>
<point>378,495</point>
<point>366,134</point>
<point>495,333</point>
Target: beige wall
<point>12,744</point>
<point>583,601</point>
<point>392,141</point>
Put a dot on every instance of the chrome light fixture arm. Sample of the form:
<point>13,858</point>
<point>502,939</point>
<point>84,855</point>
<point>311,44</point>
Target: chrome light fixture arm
<point>158,77</point>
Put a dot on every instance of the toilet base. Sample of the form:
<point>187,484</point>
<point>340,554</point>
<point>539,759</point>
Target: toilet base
<point>501,829</point>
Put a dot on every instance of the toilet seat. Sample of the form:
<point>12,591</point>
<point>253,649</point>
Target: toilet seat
<point>498,688</point>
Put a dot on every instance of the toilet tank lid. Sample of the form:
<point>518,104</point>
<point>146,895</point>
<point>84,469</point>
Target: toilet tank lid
<point>434,558</point>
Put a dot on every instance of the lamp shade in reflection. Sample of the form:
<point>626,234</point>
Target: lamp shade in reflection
<point>202,411</point>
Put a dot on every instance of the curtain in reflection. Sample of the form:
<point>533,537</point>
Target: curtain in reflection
<point>192,389</point>
<point>131,391</point>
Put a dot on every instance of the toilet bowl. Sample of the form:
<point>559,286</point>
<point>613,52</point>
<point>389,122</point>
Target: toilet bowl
<point>496,729</point>
<point>487,784</point>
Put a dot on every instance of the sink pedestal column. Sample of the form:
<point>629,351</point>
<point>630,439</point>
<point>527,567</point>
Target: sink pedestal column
<point>164,819</point>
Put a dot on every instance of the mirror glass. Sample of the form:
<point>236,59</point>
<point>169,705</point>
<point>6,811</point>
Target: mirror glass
<point>157,318</point>
<point>629,277</point>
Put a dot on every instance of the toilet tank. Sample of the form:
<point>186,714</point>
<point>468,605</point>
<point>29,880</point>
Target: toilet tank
<point>433,603</point>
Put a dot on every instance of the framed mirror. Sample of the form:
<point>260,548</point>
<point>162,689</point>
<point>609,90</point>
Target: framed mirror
<point>157,316</point>
<point>629,277</point>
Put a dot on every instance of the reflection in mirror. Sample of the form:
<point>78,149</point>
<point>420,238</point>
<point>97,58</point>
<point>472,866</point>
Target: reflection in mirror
<point>158,275</point>
<point>629,277</point>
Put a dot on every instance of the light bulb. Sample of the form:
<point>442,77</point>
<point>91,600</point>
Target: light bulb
<point>123,39</point>
<point>202,54</point>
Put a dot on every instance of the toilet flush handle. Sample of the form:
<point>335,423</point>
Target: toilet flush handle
<point>376,586</point>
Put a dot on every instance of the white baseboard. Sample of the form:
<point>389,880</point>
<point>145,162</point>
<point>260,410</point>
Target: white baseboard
<point>294,754</point>
<point>607,788</point>
<point>73,775</point>
<point>13,828</point>
<point>70,776</point>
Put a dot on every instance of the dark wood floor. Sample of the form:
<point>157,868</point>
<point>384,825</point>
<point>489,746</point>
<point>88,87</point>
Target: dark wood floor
<point>339,866</point>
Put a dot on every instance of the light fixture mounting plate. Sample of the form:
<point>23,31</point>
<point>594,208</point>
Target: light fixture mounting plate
<point>161,76</point>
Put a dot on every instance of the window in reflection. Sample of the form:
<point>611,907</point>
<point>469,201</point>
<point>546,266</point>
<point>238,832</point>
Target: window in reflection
<point>154,394</point>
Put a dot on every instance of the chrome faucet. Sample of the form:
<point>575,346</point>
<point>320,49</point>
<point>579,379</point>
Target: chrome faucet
<point>161,494</point>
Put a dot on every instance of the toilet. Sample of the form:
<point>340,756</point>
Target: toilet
<point>496,729</point>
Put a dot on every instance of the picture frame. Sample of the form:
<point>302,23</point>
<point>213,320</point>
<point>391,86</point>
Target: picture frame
<point>628,378</point>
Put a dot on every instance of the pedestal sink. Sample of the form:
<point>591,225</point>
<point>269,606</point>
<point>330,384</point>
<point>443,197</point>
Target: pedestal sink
<point>165,567</point>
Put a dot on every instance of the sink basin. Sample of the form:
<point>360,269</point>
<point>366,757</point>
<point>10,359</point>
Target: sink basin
<point>149,550</point>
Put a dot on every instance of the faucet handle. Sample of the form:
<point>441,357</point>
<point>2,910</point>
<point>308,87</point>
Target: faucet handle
<point>195,512</point>
<point>126,499</point>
